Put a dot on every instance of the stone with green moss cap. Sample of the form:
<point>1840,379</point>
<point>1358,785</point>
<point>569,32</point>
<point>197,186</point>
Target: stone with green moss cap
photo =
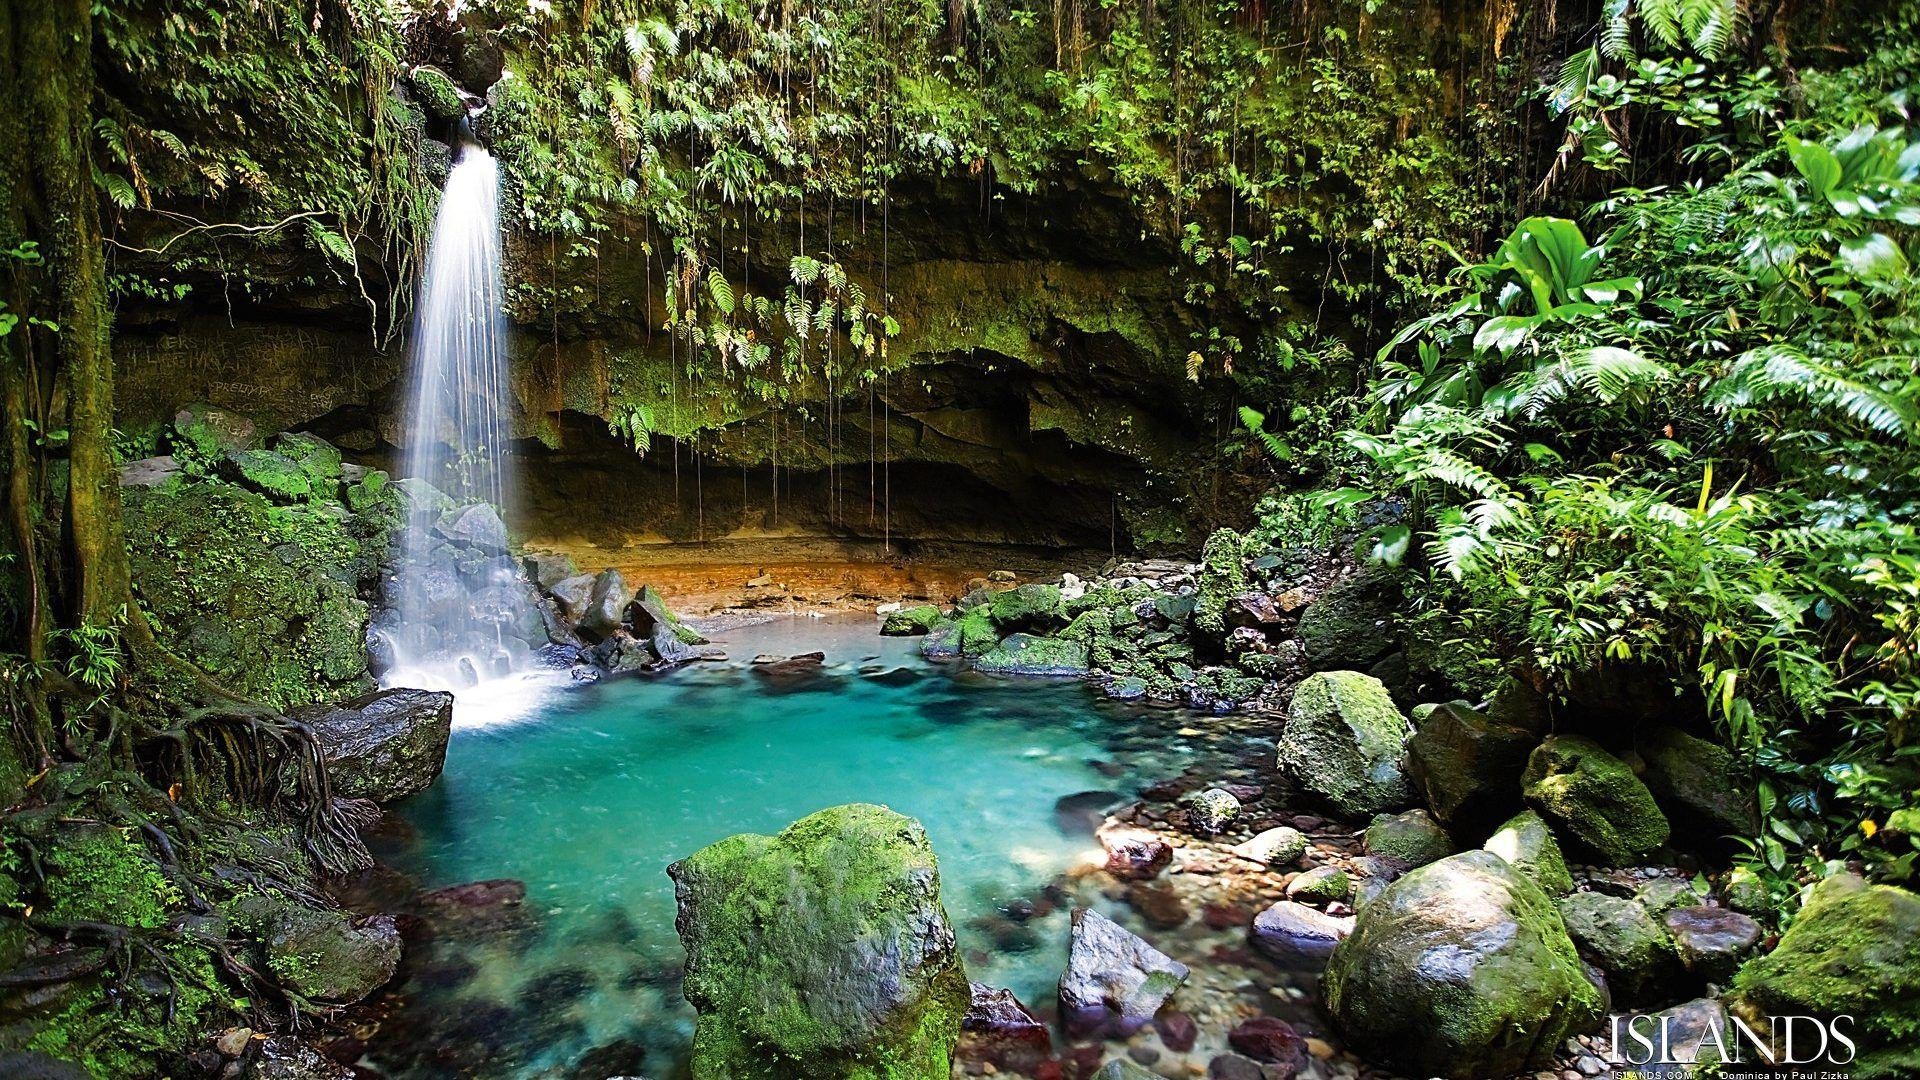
<point>1527,843</point>
<point>1031,607</point>
<point>910,621</point>
<point>1461,968</point>
<point>1594,798</point>
<point>820,952</point>
<point>1346,741</point>
<point>1027,654</point>
<point>1413,838</point>
<point>1853,950</point>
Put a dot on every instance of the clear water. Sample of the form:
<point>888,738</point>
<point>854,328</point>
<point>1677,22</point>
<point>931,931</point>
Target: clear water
<point>589,799</point>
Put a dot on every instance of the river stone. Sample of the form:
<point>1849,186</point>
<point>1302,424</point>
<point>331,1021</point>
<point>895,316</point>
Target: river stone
<point>1321,885</point>
<point>606,605</point>
<point>383,746</point>
<point>1026,608</point>
<point>1114,981</point>
<point>1621,938</point>
<point>548,568</point>
<point>1699,784</point>
<point>1297,936</point>
<point>573,593</point>
<point>1124,1069</point>
<point>1134,856</point>
<point>822,952</point>
<point>1462,969</point>
<point>1000,1031</point>
<point>1271,1040</point>
<point>1026,654</point>
<point>283,1058</point>
<point>1593,797</point>
<point>322,955</point>
<point>1662,895</point>
<point>1711,941</point>
<point>1527,843</point>
<point>910,621</point>
<point>1210,812</point>
<point>1467,765</point>
<point>1281,846</point>
<point>1854,949</point>
<point>1345,741</point>
<point>1413,838</point>
<point>1352,624</point>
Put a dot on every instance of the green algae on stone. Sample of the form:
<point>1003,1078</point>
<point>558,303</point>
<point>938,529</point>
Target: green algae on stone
<point>821,952</point>
<point>1595,798</point>
<point>1352,624</point>
<point>1412,837</point>
<point>1527,842</point>
<point>1027,654</point>
<point>910,621</point>
<point>1222,576</point>
<point>436,92</point>
<point>1345,741</point>
<point>1624,940</point>
<point>1031,607</point>
<point>1463,969</point>
<point>1853,950</point>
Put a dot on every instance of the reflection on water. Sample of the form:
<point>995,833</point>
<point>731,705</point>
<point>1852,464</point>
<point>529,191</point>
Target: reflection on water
<point>590,798</point>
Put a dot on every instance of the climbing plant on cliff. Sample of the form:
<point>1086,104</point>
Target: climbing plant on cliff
<point>1682,441</point>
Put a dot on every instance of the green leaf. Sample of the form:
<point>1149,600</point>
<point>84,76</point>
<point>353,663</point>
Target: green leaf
<point>1874,257</point>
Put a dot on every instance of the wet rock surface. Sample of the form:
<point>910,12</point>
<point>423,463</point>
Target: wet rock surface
<point>386,745</point>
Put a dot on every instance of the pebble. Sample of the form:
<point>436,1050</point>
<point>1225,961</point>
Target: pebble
<point>1590,1065</point>
<point>233,1041</point>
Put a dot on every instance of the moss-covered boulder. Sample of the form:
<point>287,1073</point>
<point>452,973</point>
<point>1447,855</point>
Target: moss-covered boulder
<point>1345,741</point>
<point>1028,654</point>
<point>1527,843</point>
<point>1222,576</point>
<point>1624,940</point>
<point>271,597</point>
<point>910,621</point>
<point>1463,969</point>
<point>1320,886</point>
<point>1592,797</point>
<point>1030,608</point>
<point>1853,950</point>
<point>1701,786</point>
<point>1467,765</point>
<point>1413,838</point>
<point>820,952</point>
<point>436,93</point>
<point>1352,624</point>
<point>324,956</point>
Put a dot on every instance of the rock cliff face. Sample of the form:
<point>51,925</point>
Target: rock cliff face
<point>1072,343</point>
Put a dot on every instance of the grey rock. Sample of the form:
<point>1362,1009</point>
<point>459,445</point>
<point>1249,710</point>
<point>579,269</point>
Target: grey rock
<point>1711,941</point>
<point>1280,846</point>
<point>1296,936</point>
<point>1210,812</point>
<point>1115,982</point>
<point>606,606</point>
<point>477,525</point>
<point>383,746</point>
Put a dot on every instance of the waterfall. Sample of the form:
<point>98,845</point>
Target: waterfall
<point>459,611</point>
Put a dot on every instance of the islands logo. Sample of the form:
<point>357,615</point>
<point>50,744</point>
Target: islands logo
<point>1785,1048</point>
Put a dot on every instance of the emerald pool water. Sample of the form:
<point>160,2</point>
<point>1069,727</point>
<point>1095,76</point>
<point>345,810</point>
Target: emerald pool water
<point>596,789</point>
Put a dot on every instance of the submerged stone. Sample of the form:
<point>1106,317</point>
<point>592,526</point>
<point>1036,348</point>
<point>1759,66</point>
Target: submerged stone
<point>1115,982</point>
<point>820,952</point>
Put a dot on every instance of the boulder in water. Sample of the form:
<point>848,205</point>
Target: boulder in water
<point>1115,982</point>
<point>1280,846</point>
<point>910,621</point>
<point>1462,969</point>
<point>477,525</point>
<point>999,1031</point>
<point>821,952</point>
<point>322,955</point>
<point>606,607</point>
<point>1026,654</point>
<point>386,745</point>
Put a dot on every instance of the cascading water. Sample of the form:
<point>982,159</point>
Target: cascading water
<point>459,609</point>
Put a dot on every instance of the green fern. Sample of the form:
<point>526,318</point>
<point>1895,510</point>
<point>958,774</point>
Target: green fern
<point>1255,422</point>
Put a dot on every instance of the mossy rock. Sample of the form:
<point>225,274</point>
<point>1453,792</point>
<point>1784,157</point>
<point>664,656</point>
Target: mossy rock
<point>1413,838</point>
<point>1594,798</point>
<point>271,473</point>
<point>1468,765</point>
<point>1853,950</point>
<point>910,621</point>
<point>1700,786</point>
<point>1032,607</point>
<point>1527,842</point>
<point>1345,741</point>
<point>204,435</point>
<point>437,94</point>
<point>1352,624</point>
<point>324,956</point>
<point>974,634</point>
<point>1624,940</point>
<point>1462,968</point>
<point>822,952</point>
<point>1027,654</point>
<point>317,458</point>
<point>1222,576</point>
<point>96,873</point>
<point>131,1033</point>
